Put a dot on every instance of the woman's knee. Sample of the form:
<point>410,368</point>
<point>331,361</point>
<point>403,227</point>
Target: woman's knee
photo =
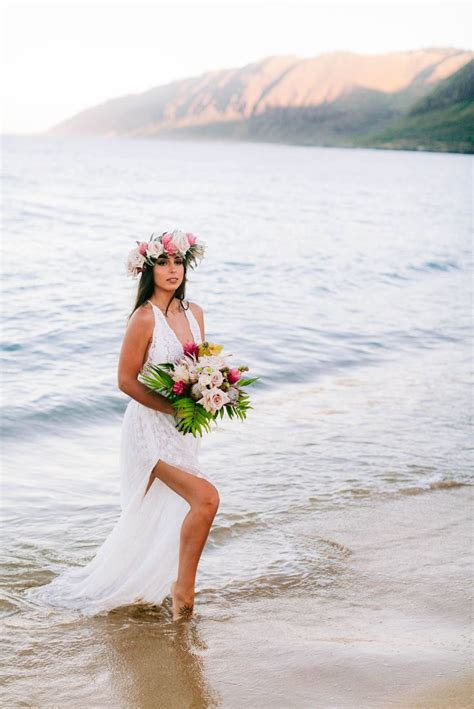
<point>207,501</point>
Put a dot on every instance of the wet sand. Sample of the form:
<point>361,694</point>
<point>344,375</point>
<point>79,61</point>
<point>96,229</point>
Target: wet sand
<point>455,695</point>
<point>386,623</point>
<point>392,630</point>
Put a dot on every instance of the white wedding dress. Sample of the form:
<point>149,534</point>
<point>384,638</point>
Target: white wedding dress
<point>139,559</point>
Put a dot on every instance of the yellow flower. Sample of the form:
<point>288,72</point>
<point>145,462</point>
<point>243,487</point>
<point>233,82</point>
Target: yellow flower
<point>207,349</point>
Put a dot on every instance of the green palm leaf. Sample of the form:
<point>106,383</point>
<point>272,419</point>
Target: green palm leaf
<point>246,382</point>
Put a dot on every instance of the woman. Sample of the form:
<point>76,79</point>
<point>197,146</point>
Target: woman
<point>168,504</point>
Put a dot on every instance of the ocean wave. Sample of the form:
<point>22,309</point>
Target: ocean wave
<point>436,266</point>
<point>20,422</point>
<point>315,563</point>
<point>430,487</point>
<point>232,525</point>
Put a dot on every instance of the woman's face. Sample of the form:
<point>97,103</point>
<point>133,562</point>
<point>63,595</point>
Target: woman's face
<point>167,268</point>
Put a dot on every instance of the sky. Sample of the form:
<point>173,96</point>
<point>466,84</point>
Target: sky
<point>62,57</point>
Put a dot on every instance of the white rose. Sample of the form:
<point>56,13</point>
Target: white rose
<point>134,262</point>
<point>213,399</point>
<point>204,379</point>
<point>155,249</point>
<point>180,240</point>
<point>180,373</point>
<point>196,392</point>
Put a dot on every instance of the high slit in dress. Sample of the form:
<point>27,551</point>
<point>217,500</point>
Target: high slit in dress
<point>138,561</point>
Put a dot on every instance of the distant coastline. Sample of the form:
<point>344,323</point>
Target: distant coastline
<point>413,100</point>
<point>182,137</point>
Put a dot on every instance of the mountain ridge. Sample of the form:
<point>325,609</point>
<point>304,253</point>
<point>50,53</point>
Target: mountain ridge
<point>334,98</point>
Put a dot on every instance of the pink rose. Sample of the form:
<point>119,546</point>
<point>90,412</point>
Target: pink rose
<point>233,376</point>
<point>142,248</point>
<point>178,387</point>
<point>213,399</point>
<point>168,245</point>
<point>191,238</point>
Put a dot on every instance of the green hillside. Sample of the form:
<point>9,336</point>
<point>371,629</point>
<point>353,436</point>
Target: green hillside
<point>457,88</point>
<point>443,120</point>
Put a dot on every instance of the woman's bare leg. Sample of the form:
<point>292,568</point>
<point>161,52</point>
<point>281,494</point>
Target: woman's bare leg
<point>203,498</point>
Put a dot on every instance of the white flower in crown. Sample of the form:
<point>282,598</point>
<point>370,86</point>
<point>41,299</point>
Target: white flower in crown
<point>154,249</point>
<point>135,262</point>
<point>180,240</point>
<point>169,243</point>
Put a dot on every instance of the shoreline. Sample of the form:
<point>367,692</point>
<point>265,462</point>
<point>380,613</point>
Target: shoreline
<point>397,146</point>
<point>392,630</point>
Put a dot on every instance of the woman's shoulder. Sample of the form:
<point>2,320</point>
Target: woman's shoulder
<point>198,313</point>
<point>197,310</point>
<point>143,316</point>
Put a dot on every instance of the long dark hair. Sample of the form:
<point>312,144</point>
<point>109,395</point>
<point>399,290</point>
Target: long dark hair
<point>146,288</point>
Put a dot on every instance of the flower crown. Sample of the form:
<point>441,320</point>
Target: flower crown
<point>169,243</point>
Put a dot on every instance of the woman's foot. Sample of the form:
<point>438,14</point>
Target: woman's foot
<point>182,604</point>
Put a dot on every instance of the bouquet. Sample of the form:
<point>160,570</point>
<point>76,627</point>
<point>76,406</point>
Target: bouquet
<point>201,387</point>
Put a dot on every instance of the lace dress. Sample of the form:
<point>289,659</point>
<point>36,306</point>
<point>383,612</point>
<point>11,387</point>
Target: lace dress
<point>139,559</point>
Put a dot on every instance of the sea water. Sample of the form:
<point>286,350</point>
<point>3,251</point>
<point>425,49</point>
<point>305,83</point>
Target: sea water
<point>340,277</point>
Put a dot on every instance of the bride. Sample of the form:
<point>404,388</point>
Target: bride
<point>168,503</point>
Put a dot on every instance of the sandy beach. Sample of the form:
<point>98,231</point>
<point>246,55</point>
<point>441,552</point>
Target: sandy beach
<point>392,628</point>
<point>392,631</point>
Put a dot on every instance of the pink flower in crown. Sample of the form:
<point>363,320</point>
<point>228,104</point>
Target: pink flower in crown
<point>191,348</point>
<point>142,248</point>
<point>178,387</point>
<point>233,376</point>
<point>169,247</point>
<point>191,238</point>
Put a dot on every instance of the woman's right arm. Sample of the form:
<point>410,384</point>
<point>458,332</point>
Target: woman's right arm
<point>137,336</point>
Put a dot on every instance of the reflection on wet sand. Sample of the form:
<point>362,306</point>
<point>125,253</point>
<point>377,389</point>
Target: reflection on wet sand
<point>134,656</point>
<point>153,661</point>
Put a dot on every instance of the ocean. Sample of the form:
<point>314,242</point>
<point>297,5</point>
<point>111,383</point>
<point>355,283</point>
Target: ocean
<point>342,279</point>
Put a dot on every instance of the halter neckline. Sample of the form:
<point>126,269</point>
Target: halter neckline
<point>171,329</point>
